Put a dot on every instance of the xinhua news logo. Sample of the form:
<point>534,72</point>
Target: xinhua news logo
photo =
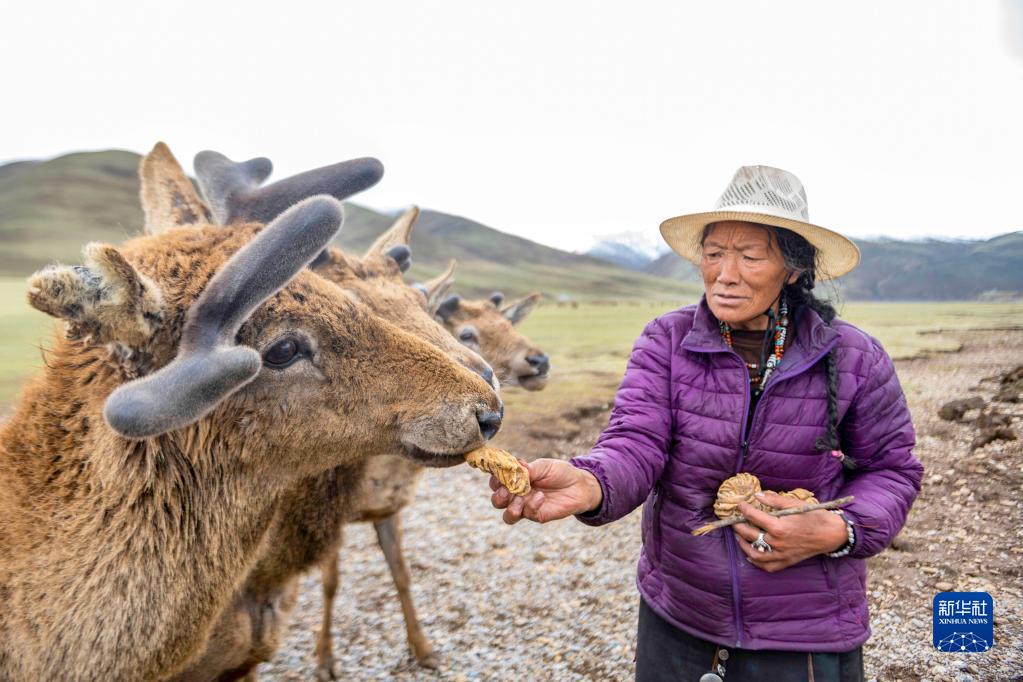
<point>964,622</point>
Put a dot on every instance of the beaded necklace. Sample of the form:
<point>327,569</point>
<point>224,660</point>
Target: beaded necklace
<point>760,374</point>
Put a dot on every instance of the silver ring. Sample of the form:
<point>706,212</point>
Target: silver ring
<point>760,544</point>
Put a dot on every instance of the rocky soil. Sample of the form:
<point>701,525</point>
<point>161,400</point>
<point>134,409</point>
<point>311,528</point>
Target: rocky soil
<point>558,602</point>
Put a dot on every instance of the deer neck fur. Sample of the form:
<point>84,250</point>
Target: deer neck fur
<point>116,556</point>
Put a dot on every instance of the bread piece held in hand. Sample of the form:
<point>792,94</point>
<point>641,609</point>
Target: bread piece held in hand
<point>508,470</point>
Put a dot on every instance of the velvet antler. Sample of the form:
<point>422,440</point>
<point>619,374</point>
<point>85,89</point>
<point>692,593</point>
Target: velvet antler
<point>436,288</point>
<point>208,366</point>
<point>232,189</point>
<point>398,234</point>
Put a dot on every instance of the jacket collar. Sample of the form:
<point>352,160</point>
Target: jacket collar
<point>813,336</point>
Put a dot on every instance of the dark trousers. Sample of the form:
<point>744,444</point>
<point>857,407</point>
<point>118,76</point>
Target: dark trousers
<point>664,653</point>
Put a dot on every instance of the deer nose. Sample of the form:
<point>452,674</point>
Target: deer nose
<point>490,423</point>
<point>540,363</point>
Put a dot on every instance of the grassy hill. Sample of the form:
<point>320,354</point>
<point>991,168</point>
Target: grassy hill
<point>935,270</point>
<point>489,259</point>
<point>49,209</point>
<point>670,265</point>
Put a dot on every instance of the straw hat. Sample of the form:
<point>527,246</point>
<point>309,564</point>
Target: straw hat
<point>768,196</point>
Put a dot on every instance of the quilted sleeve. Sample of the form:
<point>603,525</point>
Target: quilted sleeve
<point>877,433</point>
<point>630,454</point>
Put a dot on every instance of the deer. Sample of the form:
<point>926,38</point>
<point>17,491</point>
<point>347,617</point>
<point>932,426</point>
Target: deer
<point>487,326</point>
<point>312,523</point>
<point>202,371</point>
<point>308,522</point>
<point>389,482</point>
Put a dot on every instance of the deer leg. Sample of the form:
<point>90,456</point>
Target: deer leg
<point>389,536</point>
<point>324,642</point>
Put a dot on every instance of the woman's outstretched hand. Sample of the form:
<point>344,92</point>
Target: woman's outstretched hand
<point>792,538</point>
<point>558,490</point>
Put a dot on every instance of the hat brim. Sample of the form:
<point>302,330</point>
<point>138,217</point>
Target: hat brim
<point>836,255</point>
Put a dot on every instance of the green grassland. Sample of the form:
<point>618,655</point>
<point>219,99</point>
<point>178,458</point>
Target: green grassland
<point>589,346</point>
<point>23,331</point>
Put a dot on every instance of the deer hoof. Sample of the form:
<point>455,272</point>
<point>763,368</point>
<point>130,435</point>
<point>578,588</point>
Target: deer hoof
<point>326,672</point>
<point>429,660</point>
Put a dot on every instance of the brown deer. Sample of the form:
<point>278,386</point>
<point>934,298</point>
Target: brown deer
<point>311,515</point>
<point>309,519</point>
<point>203,372</point>
<point>390,481</point>
<point>487,327</point>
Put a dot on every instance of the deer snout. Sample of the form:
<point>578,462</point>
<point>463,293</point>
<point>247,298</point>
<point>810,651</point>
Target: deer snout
<point>490,422</point>
<point>540,363</point>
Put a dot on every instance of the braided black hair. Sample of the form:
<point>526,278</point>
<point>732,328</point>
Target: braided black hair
<point>800,255</point>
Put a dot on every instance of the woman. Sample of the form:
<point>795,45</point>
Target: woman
<point>759,377</point>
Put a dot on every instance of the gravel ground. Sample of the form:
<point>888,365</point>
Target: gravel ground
<point>559,601</point>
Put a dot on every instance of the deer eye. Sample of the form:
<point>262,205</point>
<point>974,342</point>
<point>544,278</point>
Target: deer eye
<point>467,335</point>
<point>282,354</point>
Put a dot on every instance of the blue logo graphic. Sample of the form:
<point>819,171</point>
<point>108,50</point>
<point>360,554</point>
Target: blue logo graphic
<point>964,621</point>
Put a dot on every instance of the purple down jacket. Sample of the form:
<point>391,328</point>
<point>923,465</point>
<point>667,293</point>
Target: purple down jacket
<point>676,432</point>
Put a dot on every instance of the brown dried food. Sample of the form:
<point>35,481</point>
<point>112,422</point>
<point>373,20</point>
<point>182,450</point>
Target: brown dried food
<point>742,488</point>
<point>801,494</point>
<point>508,470</point>
<point>738,488</point>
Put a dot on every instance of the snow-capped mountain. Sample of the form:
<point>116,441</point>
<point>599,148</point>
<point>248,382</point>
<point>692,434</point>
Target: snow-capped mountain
<point>634,250</point>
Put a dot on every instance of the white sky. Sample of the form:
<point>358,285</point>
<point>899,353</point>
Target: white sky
<point>553,120</point>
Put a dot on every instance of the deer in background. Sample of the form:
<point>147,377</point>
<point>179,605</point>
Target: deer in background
<point>203,372</point>
<point>487,327</point>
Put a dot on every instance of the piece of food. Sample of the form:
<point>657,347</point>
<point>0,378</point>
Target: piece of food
<point>739,488</point>
<point>508,470</point>
<point>742,488</point>
<point>801,494</point>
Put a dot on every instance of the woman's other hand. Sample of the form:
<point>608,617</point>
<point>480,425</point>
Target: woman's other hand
<point>558,490</point>
<point>792,538</point>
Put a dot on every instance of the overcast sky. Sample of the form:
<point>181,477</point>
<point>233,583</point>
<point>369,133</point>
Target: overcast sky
<point>556,121</point>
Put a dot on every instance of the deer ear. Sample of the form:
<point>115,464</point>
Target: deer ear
<point>168,197</point>
<point>448,307</point>
<point>402,255</point>
<point>105,300</point>
<point>517,311</point>
<point>331,262</point>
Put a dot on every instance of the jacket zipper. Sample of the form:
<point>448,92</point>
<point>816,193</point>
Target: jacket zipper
<point>733,546</point>
<point>748,421</point>
<point>655,527</point>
